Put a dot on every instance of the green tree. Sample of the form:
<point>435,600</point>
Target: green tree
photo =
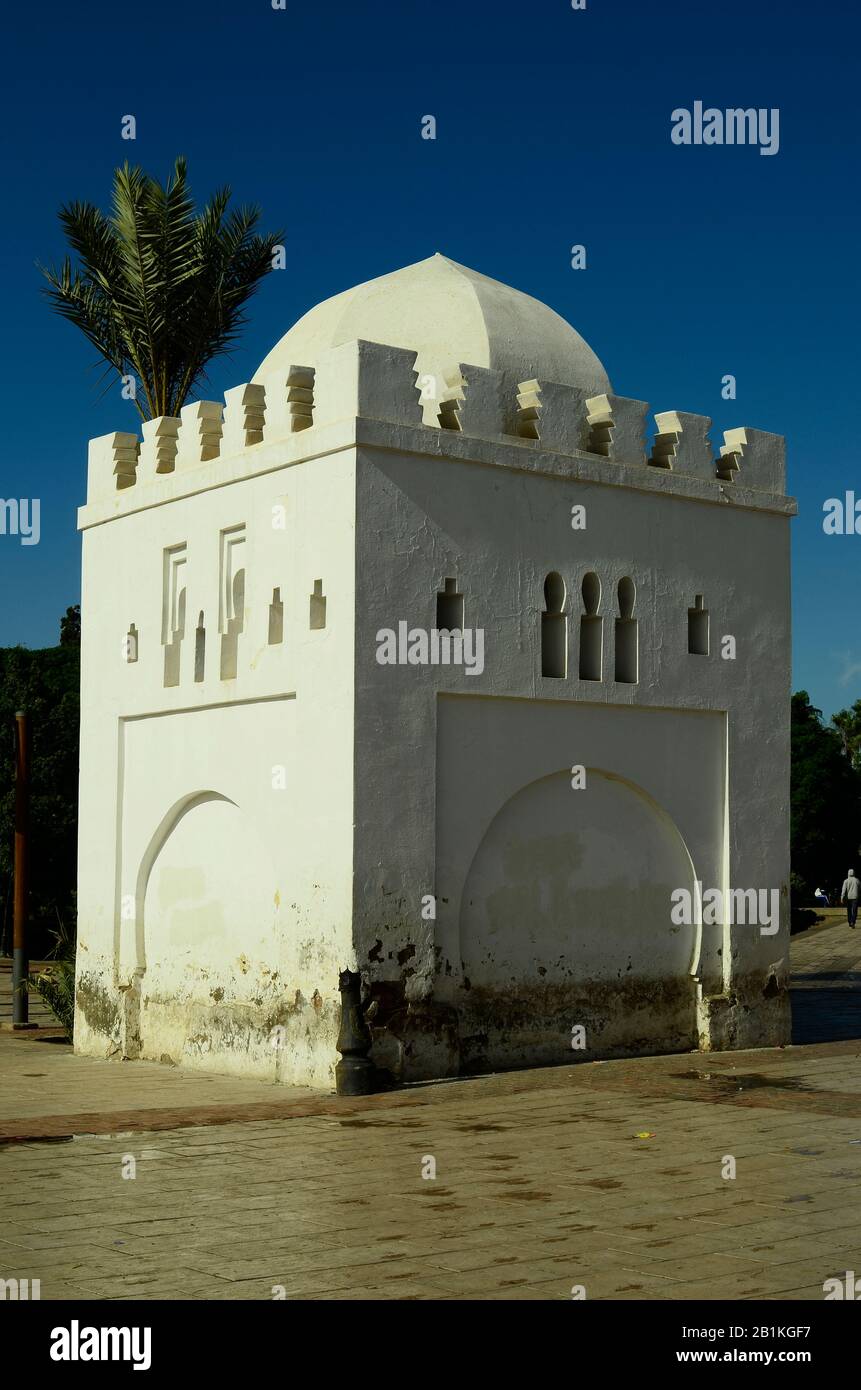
<point>70,627</point>
<point>159,290</point>
<point>847,722</point>
<point>45,683</point>
<point>826,802</point>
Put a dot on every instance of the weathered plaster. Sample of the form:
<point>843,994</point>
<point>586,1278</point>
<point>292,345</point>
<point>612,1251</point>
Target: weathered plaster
<point>245,836</point>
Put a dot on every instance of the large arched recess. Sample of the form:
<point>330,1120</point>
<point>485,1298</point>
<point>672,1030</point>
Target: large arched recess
<point>206,896</point>
<point>573,886</point>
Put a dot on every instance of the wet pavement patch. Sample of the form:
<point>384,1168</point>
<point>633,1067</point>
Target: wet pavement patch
<point>745,1081</point>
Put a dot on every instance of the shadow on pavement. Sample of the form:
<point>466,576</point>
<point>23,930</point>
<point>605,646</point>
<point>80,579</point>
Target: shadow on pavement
<point>825,989</point>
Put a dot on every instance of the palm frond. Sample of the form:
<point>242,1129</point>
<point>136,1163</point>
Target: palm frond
<point>159,289</point>
<point>55,984</point>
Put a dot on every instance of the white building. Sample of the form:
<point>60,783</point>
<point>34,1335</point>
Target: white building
<point>265,800</point>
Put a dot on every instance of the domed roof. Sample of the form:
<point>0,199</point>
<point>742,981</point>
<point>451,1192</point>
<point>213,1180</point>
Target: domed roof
<point>448,314</point>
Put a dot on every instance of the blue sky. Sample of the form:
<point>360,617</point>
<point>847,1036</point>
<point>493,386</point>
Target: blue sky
<point>553,128</point>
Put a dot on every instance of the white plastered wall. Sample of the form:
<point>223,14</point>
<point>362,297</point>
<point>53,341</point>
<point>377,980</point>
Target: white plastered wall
<point>233,965</point>
<point>390,784</point>
<point>499,531</point>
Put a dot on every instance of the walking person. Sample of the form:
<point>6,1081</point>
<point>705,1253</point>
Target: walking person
<point>849,895</point>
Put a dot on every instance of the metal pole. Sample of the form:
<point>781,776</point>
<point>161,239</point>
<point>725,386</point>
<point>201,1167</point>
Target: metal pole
<point>20,963</point>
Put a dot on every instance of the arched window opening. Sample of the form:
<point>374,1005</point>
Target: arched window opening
<point>627,653</point>
<point>235,628</point>
<point>591,630</point>
<point>554,629</point>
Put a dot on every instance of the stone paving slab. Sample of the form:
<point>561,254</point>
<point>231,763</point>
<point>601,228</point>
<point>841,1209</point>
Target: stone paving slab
<point>541,1184</point>
<point>826,980</point>
<point>41,1078</point>
<point>543,1179</point>
<point>758,1079</point>
<point>47,1092</point>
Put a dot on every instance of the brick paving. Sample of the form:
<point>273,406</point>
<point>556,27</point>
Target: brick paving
<point>48,1092</point>
<point>826,981</point>
<point>543,1179</point>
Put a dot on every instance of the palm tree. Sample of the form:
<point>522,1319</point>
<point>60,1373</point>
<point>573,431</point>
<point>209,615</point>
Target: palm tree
<point>160,289</point>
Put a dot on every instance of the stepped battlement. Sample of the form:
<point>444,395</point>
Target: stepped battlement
<point>373,381</point>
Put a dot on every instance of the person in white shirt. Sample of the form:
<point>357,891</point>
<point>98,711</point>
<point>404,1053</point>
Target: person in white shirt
<point>849,895</point>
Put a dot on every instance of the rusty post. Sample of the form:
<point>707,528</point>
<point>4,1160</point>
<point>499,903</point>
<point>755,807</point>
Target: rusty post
<point>20,962</point>
<point>355,1074</point>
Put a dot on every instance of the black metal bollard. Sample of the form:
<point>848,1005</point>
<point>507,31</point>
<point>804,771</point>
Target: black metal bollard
<point>355,1074</point>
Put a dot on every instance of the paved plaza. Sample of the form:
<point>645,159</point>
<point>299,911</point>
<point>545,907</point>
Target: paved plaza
<point>613,1178</point>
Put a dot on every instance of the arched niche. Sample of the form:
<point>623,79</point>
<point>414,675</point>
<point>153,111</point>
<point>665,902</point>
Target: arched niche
<point>206,892</point>
<point>575,885</point>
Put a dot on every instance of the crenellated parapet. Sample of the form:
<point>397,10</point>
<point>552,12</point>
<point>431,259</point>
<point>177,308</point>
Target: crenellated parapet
<point>682,444</point>
<point>553,415</point>
<point>244,418</point>
<point>112,463</point>
<point>617,428</point>
<point>199,438</point>
<point>376,382</point>
<point>290,404</point>
<point>159,447</point>
<point>369,380</point>
<point>753,457</point>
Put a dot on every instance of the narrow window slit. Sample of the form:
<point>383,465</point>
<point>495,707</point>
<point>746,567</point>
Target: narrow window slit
<point>173,611</point>
<point>317,615</point>
<point>554,629</point>
<point>591,631</point>
<point>627,654</point>
<point>235,627</point>
<point>276,619</point>
<point>199,649</point>
<point>449,608</point>
<point>698,628</point>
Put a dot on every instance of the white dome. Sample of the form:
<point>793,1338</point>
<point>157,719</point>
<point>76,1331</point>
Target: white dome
<point>449,315</point>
